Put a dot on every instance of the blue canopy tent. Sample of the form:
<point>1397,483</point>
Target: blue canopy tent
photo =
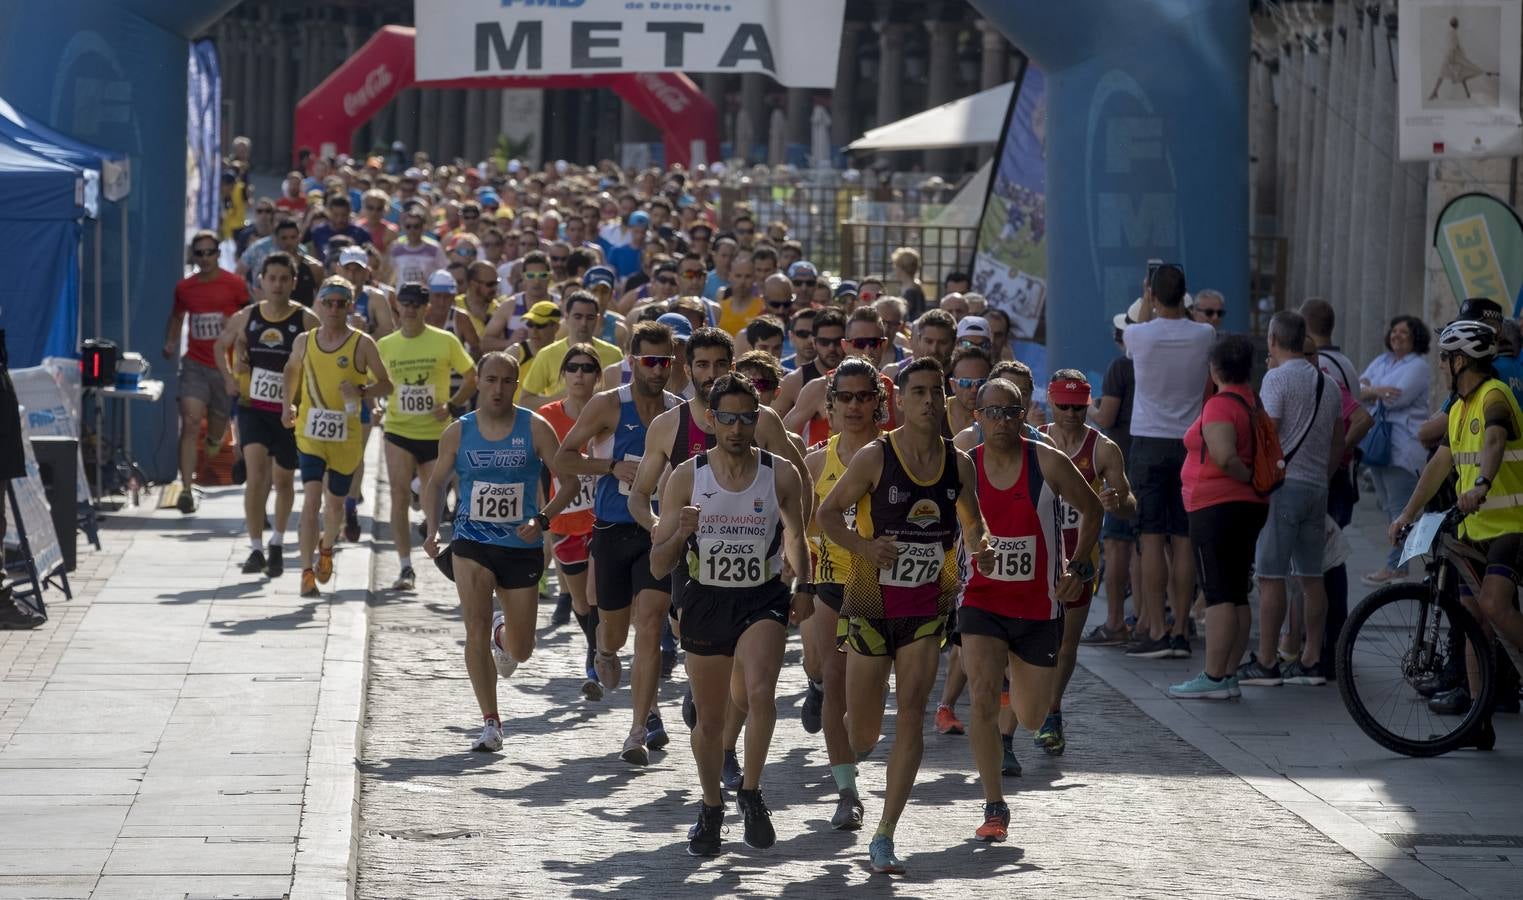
<point>41,203</point>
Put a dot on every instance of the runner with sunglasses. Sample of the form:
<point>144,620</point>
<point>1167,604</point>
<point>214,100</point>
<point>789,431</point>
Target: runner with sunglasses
<point>571,531</point>
<point>798,342</point>
<point>542,380</point>
<point>970,370</point>
<point>507,323</point>
<point>497,453</point>
<point>1099,461</point>
<point>1012,611</point>
<point>728,511</point>
<point>864,340</point>
<point>613,426</point>
<point>479,302</point>
<point>914,495</point>
<point>420,360</point>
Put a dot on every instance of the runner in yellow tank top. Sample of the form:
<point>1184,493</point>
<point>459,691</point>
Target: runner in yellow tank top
<point>852,399</point>
<point>336,369</point>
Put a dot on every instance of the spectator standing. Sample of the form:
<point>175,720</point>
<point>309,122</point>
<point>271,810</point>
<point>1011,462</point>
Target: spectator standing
<point>1113,415</point>
<point>1395,386</point>
<point>906,263</point>
<point>1170,356</point>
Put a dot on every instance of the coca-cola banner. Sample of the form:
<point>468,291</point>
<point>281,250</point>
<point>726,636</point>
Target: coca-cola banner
<point>797,42</point>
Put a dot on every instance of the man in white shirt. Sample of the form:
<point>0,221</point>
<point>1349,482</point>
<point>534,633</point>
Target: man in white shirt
<point>1170,354</point>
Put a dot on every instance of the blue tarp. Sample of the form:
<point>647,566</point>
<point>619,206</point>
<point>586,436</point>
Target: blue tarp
<point>106,171</point>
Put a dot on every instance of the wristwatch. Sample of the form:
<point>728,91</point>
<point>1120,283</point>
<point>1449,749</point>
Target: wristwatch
<point>544,521</point>
<point>804,587</point>
<point>1483,481</point>
<point>1082,568</point>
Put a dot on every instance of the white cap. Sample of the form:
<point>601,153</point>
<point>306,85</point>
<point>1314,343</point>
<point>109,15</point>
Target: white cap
<point>1130,317</point>
<point>350,255</point>
<point>514,166</point>
<point>415,173</point>
<point>974,325</point>
<point>442,282</point>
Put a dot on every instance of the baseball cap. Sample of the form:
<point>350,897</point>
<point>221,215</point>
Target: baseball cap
<point>975,326</point>
<point>1130,317</point>
<point>802,268</point>
<point>846,289</point>
<point>412,292</point>
<point>415,173</point>
<point>598,275</point>
<point>352,255</point>
<point>442,282</point>
<point>681,328</point>
<point>639,218</point>
<point>543,313</point>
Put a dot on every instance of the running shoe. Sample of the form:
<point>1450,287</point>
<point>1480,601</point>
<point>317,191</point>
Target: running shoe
<point>704,838</point>
<point>947,721</point>
<point>491,738</point>
<point>187,502</point>
<point>1009,765</point>
<point>324,563</point>
<point>1105,636</point>
<point>506,664</point>
<point>1300,673</point>
<point>1234,691</point>
<point>1254,672</point>
<point>848,815</point>
<point>562,614</point>
<point>240,471</point>
<point>1050,736</point>
<point>635,752</point>
<point>811,712</point>
<point>1179,647</point>
<point>590,688</point>
<point>689,711</point>
<point>881,854</point>
<point>759,833</point>
<point>1202,687</point>
<point>655,732</point>
<point>407,579</point>
<point>996,823</point>
<point>730,775</point>
<point>609,669</point>
<point>351,521</point>
<point>275,565</point>
<point>309,584</point>
<point>668,663</point>
<point>1149,648</point>
<point>254,565</point>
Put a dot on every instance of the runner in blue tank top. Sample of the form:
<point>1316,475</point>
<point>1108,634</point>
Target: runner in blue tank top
<point>613,427</point>
<point>497,453</point>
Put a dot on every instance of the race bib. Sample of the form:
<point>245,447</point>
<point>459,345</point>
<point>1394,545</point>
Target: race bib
<point>415,399</point>
<point>731,563</point>
<point>1014,558</point>
<point>624,486</point>
<point>850,515</point>
<point>498,504</point>
<point>586,487</point>
<point>266,386</point>
<point>327,425</point>
<point>916,564</point>
<point>1068,516</point>
<point>205,326</point>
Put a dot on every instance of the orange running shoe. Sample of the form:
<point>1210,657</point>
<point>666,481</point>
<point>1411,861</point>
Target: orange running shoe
<point>324,563</point>
<point>308,583</point>
<point>947,721</point>
<point>996,823</point>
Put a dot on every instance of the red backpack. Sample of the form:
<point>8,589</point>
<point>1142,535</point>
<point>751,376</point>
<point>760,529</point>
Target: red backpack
<point>1265,459</point>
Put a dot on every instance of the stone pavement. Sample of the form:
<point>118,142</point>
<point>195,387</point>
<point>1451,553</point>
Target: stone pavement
<point>1130,811</point>
<point>179,728</point>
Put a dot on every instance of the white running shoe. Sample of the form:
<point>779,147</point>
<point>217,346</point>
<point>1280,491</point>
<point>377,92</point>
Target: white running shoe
<point>506,664</point>
<point>490,740</point>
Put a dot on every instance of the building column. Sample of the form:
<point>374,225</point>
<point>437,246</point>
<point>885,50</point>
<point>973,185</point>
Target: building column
<point>428,123</point>
<point>843,101</point>
<point>890,70</point>
<point>800,106</point>
<point>939,86</point>
<point>996,52</point>
<point>751,121</point>
<point>475,117</point>
<point>407,120</point>
<point>285,102</point>
<point>491,126</point>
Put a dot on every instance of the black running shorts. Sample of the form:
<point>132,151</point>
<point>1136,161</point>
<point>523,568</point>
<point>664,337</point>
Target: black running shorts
<point>1035,641</point>
<point>622,552</point>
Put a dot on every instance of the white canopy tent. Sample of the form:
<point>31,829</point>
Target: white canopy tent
<point>973,120</point>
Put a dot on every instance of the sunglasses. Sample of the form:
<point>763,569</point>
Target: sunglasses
<point>967,342</point>
<point>730,418</point>
<point>1212,313</point>
<point>869,296</point>
<point>775,305</point>
<point>1002,413</point>
<point>691,273</point>
<point>490,283</point>
<point>470,215</point>
<point>745,232</point>
<point>413,226</point>
<point>536,276</point>
<point>205,253</point>
<point>1070,407</point>
<point>269,212</point>
<point>544,324</point>
<point>558,260</point>
<point>667,280</point>
<point>828,342</point>
<point>369,207</point>
<point>966,383</point>
<point>338,303</point>
<point>803,335</point>
<point>764,384</point>
<point>804,282</point>
<point>413,301</point>
<point>655,362</point>
<point>857,396</point>
<point>465,251</point>
<point>865,343</point>
<point>581,368</point>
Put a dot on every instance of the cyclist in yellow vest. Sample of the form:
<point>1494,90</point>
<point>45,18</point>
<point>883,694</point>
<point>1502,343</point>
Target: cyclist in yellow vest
<point>1483,446</point>
<point>334,369</point>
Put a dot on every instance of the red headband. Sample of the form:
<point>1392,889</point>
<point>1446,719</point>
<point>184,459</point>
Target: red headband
<point>1069,393</point>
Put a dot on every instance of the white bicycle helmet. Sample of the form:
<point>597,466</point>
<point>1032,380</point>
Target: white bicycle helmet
<point>1476,340</point>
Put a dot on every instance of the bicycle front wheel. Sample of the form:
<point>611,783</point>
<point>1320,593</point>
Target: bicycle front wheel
<point>1395,637</point>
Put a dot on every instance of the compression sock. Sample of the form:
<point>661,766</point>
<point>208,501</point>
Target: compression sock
<point>589,625</point>
<point>845,776</point>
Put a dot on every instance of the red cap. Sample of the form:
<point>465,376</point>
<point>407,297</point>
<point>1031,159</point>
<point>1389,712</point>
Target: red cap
<point>1069,393</point>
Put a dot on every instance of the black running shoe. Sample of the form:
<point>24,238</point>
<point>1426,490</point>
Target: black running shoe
<point>759,831</point>
<point>351,524</point>
<point>703,839</point>
<point>274,565</point>
<point>562,614</point>
<point>187,502</point>
<point>240,471</point>
<point>731,776</point>
<point>814,704</point>
<point>655,732</point>
<point>689,711</point>
<point>254,565</point>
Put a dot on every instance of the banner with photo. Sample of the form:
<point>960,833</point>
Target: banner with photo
<point>797,42</point>
<point>1010,260</point>
<point>1457,79</point>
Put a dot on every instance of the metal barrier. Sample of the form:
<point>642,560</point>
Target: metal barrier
<point>1266,281</point>
<point>867,246</point>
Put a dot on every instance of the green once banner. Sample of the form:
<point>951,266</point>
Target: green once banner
<point>1480,241</point>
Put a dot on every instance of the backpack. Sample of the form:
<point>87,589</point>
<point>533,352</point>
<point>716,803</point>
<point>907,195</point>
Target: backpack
<point>1265,459</point>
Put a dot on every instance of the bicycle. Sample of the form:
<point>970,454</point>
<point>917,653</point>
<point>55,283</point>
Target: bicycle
<point>1402,634</point>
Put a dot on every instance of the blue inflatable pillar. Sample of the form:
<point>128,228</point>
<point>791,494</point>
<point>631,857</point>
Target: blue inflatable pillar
<point>1147,154</point>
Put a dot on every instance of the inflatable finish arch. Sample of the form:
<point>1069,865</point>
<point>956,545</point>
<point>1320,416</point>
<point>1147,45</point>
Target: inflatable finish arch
<point>385,66</point>
<point>1147,154</point>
